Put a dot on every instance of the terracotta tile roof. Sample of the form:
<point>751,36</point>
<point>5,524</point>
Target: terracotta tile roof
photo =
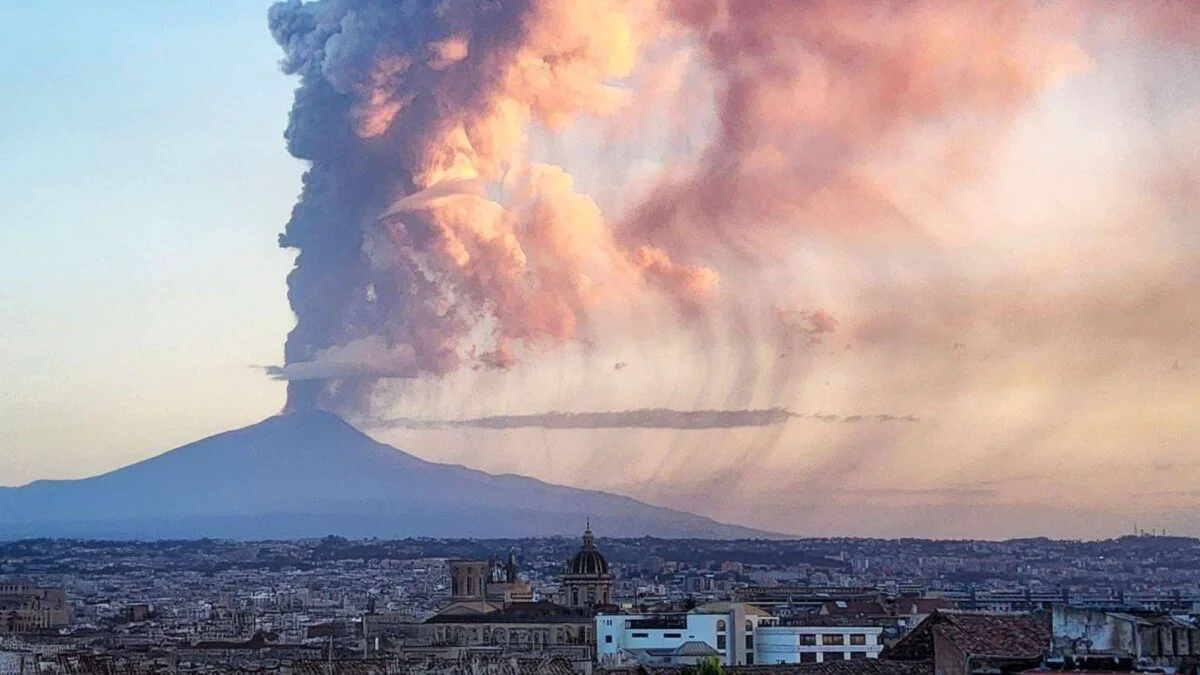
<point>1018,636</point>
<point>867,667</point>
<point>917,645</point>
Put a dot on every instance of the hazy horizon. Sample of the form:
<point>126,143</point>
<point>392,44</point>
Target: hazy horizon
<point>981,313</point>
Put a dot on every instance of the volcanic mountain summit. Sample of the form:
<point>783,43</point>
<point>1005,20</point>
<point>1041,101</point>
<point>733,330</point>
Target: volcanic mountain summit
<point>312,474</point>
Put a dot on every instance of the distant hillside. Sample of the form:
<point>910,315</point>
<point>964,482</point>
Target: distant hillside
<point>312,474</point>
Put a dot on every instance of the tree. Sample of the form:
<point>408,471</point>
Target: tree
<point>709,666</point>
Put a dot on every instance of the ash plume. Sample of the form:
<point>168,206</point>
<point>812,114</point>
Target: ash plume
<point>821,105</point>
<point>407,112</point>
<point>816,99</point>
<point>430,240</point>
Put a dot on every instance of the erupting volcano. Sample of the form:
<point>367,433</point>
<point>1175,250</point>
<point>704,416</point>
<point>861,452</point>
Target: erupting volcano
<point>819,265</point>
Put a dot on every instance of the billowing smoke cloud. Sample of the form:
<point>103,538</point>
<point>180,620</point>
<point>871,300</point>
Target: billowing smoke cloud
<point>420,227</point>
<point>816,99</point>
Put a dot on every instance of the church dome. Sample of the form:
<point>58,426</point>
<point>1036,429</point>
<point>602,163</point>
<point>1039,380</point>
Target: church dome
<point>589,561</point>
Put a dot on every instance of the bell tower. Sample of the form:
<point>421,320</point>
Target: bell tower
<point>468,580</point>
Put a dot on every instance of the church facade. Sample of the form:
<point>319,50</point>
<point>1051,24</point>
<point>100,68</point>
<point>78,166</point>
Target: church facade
<point>586,582</point>
<point>491,608</point>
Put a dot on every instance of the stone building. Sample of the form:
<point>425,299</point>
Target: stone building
<point>1141,638</point>
<point>477,587</point>
<point>27,608</point>
<point>492,610</point>
<point>538,627</point>
<point>468,579</point>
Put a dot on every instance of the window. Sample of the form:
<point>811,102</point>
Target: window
<point>721,626</point>
<point>668,636</point>
<point>808,657</point>
<point>858,639</point>
<point>608,639</point>
<point>858,655</point>
<point>750,659</point>
<point>749,643</point>
<point>639,635</point>
<point>808,640</point>
<point>879,639</point>
<point>833,639</point>
<point>721,642</point>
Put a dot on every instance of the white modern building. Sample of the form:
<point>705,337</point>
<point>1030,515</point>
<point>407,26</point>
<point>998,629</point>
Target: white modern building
<point>737,634</point>
<point>727,628</point>
<point>817,643</point>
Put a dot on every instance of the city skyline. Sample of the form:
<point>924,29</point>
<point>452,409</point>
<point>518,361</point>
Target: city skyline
<point>980,321</point>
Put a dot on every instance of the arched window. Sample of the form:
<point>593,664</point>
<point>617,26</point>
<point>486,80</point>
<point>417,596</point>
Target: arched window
<point>721,626</point>
<point>749,626</point>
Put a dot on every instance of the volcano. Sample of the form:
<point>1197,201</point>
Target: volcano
<point>312,474</point>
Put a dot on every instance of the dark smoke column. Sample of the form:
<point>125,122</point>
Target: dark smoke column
<point>357,59</point>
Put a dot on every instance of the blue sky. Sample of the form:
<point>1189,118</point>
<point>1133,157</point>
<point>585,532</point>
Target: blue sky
<point>144,181</point>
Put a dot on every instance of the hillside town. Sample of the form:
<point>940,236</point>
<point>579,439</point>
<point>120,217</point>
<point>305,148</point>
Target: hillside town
<point>562,604</point>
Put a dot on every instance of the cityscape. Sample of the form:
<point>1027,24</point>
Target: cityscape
<point>559,604</point>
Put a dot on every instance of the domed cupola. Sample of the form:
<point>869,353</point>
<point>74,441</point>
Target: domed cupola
<point>589,561</point>
<point>585,580</point>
